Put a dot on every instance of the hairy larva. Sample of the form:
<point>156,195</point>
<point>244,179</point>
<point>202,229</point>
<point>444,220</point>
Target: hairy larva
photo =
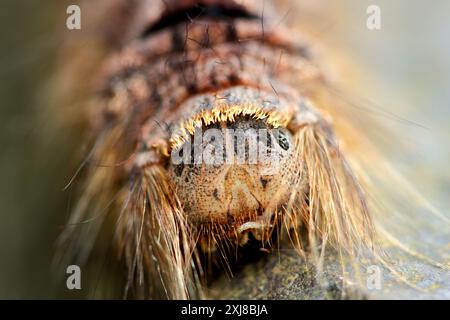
<point>186,68</point>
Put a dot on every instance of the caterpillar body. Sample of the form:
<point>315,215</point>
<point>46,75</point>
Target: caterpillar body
<point>182,110</point>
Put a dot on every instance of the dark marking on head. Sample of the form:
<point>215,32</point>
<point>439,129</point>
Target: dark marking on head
<point>178,169</point>
<point>263,182</point>
<point>216,194</point>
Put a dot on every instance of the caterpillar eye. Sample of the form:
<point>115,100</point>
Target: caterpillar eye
<point>283,140</point>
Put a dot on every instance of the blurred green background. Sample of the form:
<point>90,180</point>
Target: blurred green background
<point>408,60</point>
<point>33,163</point>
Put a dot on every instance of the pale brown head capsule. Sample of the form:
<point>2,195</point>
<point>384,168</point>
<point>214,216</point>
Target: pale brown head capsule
<point>235,168</point>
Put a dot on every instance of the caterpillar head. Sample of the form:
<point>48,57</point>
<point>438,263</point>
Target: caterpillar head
<point>234,171</point>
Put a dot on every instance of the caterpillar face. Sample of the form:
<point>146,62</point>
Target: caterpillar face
<point>246,170</point>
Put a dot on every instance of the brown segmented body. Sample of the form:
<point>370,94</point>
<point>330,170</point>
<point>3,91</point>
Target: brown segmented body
<point>233,65</point>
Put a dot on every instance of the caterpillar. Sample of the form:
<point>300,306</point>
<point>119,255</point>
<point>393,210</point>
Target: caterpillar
<point>214,128</point>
